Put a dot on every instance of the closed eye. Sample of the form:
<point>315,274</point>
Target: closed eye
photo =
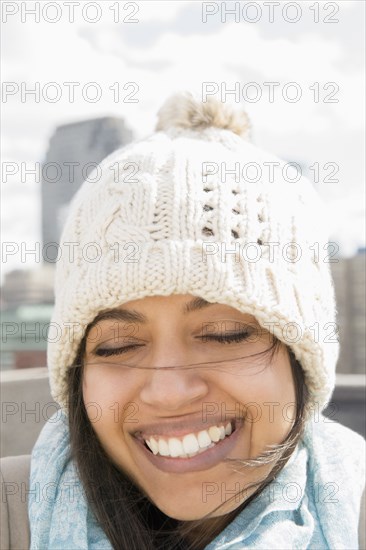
<point>228,338</point>
<point>109,352</point>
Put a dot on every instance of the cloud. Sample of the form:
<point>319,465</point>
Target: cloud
<point>170,49</point>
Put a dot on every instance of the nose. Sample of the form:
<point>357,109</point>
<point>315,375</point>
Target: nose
<point>172,388</point>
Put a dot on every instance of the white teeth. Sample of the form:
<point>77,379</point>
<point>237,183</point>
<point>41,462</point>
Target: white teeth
<point>228,428</point>
<point>204,439</point>
<point>214,433</point>
<point>175,447</point>
<point>191,444</point>
<point>154,446</point>
<point>149,445</point>
<point>163,448</point>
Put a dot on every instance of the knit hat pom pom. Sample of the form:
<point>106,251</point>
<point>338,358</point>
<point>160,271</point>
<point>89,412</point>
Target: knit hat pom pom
<point>183,110</point>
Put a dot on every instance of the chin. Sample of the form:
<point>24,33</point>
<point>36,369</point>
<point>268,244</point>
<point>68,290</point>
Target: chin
<point>182,513</point>
<point>187,512</point>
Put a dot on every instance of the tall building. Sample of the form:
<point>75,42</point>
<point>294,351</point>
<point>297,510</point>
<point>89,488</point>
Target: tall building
<point>349,276</point>
<point>73,151</point>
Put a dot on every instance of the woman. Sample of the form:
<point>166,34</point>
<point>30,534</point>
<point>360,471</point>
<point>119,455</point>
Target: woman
<point>192,351</point>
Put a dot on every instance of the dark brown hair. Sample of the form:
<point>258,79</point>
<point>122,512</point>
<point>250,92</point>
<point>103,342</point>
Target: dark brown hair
<point>126,515</point>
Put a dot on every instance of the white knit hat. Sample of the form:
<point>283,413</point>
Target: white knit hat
<point>164,216</point>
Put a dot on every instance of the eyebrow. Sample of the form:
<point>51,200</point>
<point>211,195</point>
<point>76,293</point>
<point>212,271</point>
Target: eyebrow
<point>133,316</point>
<point>196,304</point>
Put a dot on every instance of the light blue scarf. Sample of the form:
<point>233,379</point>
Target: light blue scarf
<point>313,503</point>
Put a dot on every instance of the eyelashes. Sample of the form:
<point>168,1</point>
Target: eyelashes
<point>116,351</point>
<point>229,338</point>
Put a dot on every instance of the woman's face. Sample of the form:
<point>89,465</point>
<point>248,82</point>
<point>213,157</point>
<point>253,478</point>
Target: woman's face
<point>230,405</point>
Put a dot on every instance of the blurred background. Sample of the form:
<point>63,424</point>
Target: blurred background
<point>81,79</point>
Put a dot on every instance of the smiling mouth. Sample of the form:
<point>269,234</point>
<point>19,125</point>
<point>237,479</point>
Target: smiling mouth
<point>189,445</point>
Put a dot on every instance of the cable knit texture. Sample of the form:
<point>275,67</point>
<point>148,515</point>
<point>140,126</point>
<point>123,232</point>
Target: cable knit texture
<point>164,218</point>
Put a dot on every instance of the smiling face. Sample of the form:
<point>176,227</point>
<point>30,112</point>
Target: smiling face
<point>170,429</point>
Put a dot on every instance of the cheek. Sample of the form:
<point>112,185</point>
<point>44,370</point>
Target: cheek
<point>108,398</point>
<point>109,405</point>
<point>267,401</point>
<point>270,385</point>
<point>272,402</point>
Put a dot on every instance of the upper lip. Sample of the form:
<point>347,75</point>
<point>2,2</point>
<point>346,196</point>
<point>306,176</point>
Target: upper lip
<point>178,428</point>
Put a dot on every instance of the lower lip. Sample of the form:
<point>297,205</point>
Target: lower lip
<point>203,461</point>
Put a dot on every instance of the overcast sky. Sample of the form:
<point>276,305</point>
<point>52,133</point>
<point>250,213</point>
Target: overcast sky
<point>171,48</point>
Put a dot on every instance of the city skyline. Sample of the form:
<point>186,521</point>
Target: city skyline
<point>135,66</point>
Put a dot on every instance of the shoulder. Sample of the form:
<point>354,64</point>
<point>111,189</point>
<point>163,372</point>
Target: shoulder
<point>14,487</point>
<point>334,438</point>
<point>336,455</point>
<point>53,436</point>
<point>336,470</point>
<point>338,447</point>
